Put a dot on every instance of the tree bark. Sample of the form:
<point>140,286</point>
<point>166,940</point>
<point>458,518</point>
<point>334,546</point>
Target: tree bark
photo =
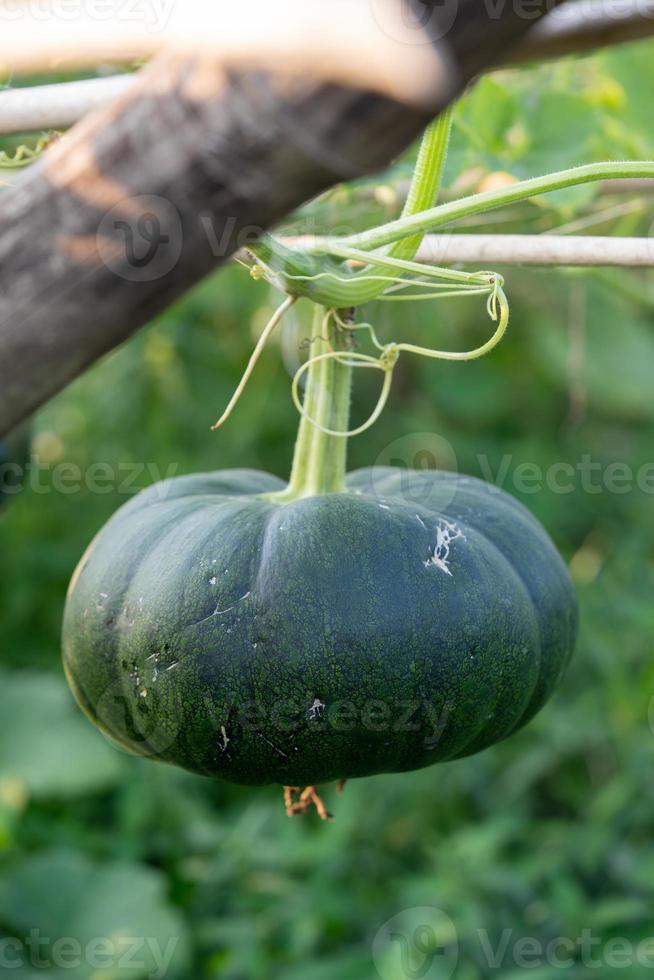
<point>111,226</point>
<point>583,27</point>
<point>565,31</point>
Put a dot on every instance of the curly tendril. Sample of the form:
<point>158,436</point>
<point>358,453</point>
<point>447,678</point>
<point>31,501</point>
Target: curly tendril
<point>386,363</point>
<point>275,319</point>
<point>455,283</point>
<point>498,310</point>
<point>24,154</point>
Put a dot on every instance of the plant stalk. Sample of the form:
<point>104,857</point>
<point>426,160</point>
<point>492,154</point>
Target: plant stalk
<point>319,461</point>
<point>313,271</point>
<point>481,203</point>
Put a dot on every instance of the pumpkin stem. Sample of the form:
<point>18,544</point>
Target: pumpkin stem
<point>308,797</point>
<point>319,462</point>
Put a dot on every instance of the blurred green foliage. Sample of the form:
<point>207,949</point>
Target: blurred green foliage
<point>548,835</point>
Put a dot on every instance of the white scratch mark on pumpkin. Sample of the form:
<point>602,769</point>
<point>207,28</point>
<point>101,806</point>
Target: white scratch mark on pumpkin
<point>446,533</point>
<point>222,612</point>
<point>226,740</point>
<point>272,745</point>
<point>420,521</point>
<point>316,710</point>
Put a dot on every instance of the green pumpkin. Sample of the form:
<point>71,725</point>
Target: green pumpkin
<point>335,628</point>
<point>409,619</point>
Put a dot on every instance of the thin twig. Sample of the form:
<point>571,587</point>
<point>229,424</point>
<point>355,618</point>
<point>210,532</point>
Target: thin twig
<point>486,251</point>
<point>24,110</point>
<point>577,322</point>
<point>600,217</point>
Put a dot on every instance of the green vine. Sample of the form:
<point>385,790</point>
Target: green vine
<point>389,354</point>
<point>25,155</point>
<point>427,179</point>
<point>343,274</point>
<point>436,217</point>
<point>319,273</point>
<point>392,277</point>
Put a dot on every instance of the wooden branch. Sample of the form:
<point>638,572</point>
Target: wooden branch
<point>110,227</point>
<point>584,26</point>
<point>576,29</point>
<point>354,42</point>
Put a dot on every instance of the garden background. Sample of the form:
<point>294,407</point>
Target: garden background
<point>549,835</point>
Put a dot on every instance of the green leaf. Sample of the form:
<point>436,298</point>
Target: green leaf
<point>487,115</point>
<point>631,68</point>
<point>46,744</point>
<point>354,966</point>
<point>618,360</point>
<point>561,128</point>
<point>91,922</point>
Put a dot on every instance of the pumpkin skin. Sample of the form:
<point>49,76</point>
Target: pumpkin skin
<point>417,618</point>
